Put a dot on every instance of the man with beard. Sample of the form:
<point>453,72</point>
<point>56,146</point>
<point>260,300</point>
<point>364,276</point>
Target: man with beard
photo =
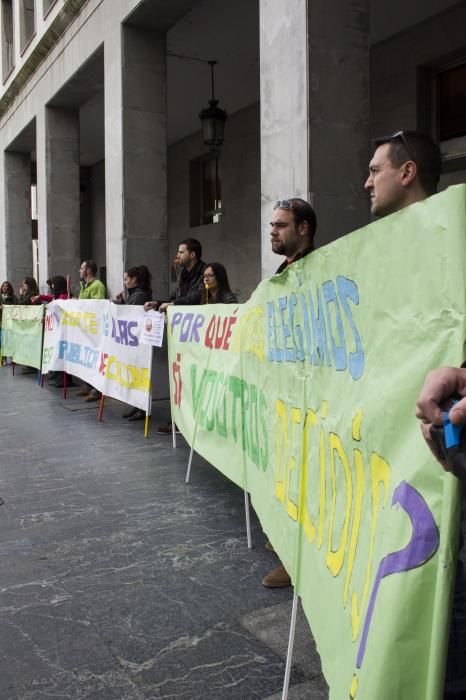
<point>292,232</point>
<point>190,283</point>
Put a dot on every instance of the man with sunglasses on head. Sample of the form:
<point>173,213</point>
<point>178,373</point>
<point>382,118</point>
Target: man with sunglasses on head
<point>293,226</point>
<point>405,169</point>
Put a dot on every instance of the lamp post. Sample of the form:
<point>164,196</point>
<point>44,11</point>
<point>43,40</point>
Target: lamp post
<point>213,119</point>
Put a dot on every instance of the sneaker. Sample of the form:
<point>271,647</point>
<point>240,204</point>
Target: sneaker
<point>269,546</point>
<point>83,392</point>
<point>131,412</point>
<point>278,578</point>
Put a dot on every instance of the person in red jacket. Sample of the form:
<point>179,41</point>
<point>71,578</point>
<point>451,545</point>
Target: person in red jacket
<point>59,291</point>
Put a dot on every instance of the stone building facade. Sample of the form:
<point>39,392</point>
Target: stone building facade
<point>101,153</point>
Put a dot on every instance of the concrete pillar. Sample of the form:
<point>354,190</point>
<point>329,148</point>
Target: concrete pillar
<point>284,111</point>
<point>57,134</point>
<point>18,232</point>
<point>2,218</point>
<point>136,156</point>
<point>314,60</point>
<point>42,240</point>
<point>339,112</point>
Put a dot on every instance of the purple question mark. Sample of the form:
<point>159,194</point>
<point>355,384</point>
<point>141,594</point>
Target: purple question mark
<point>422,546</point>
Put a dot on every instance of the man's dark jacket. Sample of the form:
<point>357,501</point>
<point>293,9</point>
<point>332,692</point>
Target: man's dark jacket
<point>190,285</point>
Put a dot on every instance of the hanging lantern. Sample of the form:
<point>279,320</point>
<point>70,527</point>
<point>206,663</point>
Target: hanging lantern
<point>213,119</point>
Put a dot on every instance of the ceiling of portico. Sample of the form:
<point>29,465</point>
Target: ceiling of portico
<point>394,16</point>
<point>222,30</point>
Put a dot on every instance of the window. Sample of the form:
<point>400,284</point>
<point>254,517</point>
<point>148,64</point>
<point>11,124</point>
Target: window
<point>451,92</point>
<point>48,4</point>
<point>206,197</point>
<point>27,22</point>
<point>8,51</point>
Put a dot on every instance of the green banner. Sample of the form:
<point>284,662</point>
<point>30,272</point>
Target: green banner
<point>22,334</point>
<point>305,396</point>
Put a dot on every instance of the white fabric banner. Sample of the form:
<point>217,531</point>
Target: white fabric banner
<point>100,342</point>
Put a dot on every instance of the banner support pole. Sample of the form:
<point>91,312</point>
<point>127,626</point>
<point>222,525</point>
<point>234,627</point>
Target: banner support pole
<point>149,400</point>
<point>289,655</point>
<point>189,464</point>
<point>173,435</point>
<point>101,408</point>
<point>248,520</point>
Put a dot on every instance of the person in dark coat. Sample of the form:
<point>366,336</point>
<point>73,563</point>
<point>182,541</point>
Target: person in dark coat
<point>189,278</point>
<point>137,281</point>
<point>28,290</point>
<point>216,286</point>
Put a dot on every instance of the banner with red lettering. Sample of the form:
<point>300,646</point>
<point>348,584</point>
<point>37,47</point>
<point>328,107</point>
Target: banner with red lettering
<point>100,342</point>
<point>305,396</point>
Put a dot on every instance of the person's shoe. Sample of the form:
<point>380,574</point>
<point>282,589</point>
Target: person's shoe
<point>269,546</point>
<point>93,395</point>
<point>129,414</point>
<point>139,415</point>
<point>166,429</point>
<point>84,391</point>
<point>60,383</point>
<point>278,578</point>
<point>28,370</point>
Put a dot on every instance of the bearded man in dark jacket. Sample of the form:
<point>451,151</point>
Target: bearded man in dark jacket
<point>190,282</point>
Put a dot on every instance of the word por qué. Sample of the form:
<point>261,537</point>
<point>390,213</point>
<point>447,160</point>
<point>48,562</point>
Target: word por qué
<point>217,335</point>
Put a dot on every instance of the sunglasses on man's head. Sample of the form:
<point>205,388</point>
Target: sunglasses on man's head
<point>283,204</point>
<point>397,136</point>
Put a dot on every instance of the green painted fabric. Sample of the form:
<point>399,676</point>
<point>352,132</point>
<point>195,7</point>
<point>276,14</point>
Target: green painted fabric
<point>22,334</point>
<point>305,396</point>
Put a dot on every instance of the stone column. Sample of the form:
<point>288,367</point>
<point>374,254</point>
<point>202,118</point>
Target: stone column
<point>339,112</point>
<point>42,241</point>
<point>57,136</point>
<point>284,112</point>
<point>136,156</point>
<point>18,232</point>
<point>314,112</point>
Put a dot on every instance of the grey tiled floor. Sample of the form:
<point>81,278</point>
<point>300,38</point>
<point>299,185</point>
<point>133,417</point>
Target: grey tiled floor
<point>117,580</point>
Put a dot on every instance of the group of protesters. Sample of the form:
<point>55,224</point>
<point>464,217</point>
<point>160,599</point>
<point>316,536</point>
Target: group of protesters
<point>196,283</point>
<point>405,169</point>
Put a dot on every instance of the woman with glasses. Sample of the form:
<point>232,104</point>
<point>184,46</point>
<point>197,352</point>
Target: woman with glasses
<point>216,286</point>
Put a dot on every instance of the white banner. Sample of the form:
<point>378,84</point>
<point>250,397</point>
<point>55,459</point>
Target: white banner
<point>101,343</point>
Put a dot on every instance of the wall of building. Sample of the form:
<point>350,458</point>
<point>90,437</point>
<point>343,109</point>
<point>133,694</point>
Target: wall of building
<point>97,214</point>
<point>235,241</point>
<point>401,95</point>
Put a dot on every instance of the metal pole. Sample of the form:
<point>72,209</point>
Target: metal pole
<point>248,520</point>
<point>289,656</point>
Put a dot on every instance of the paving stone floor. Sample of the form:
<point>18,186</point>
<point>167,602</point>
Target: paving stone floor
<point>118,580</point>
